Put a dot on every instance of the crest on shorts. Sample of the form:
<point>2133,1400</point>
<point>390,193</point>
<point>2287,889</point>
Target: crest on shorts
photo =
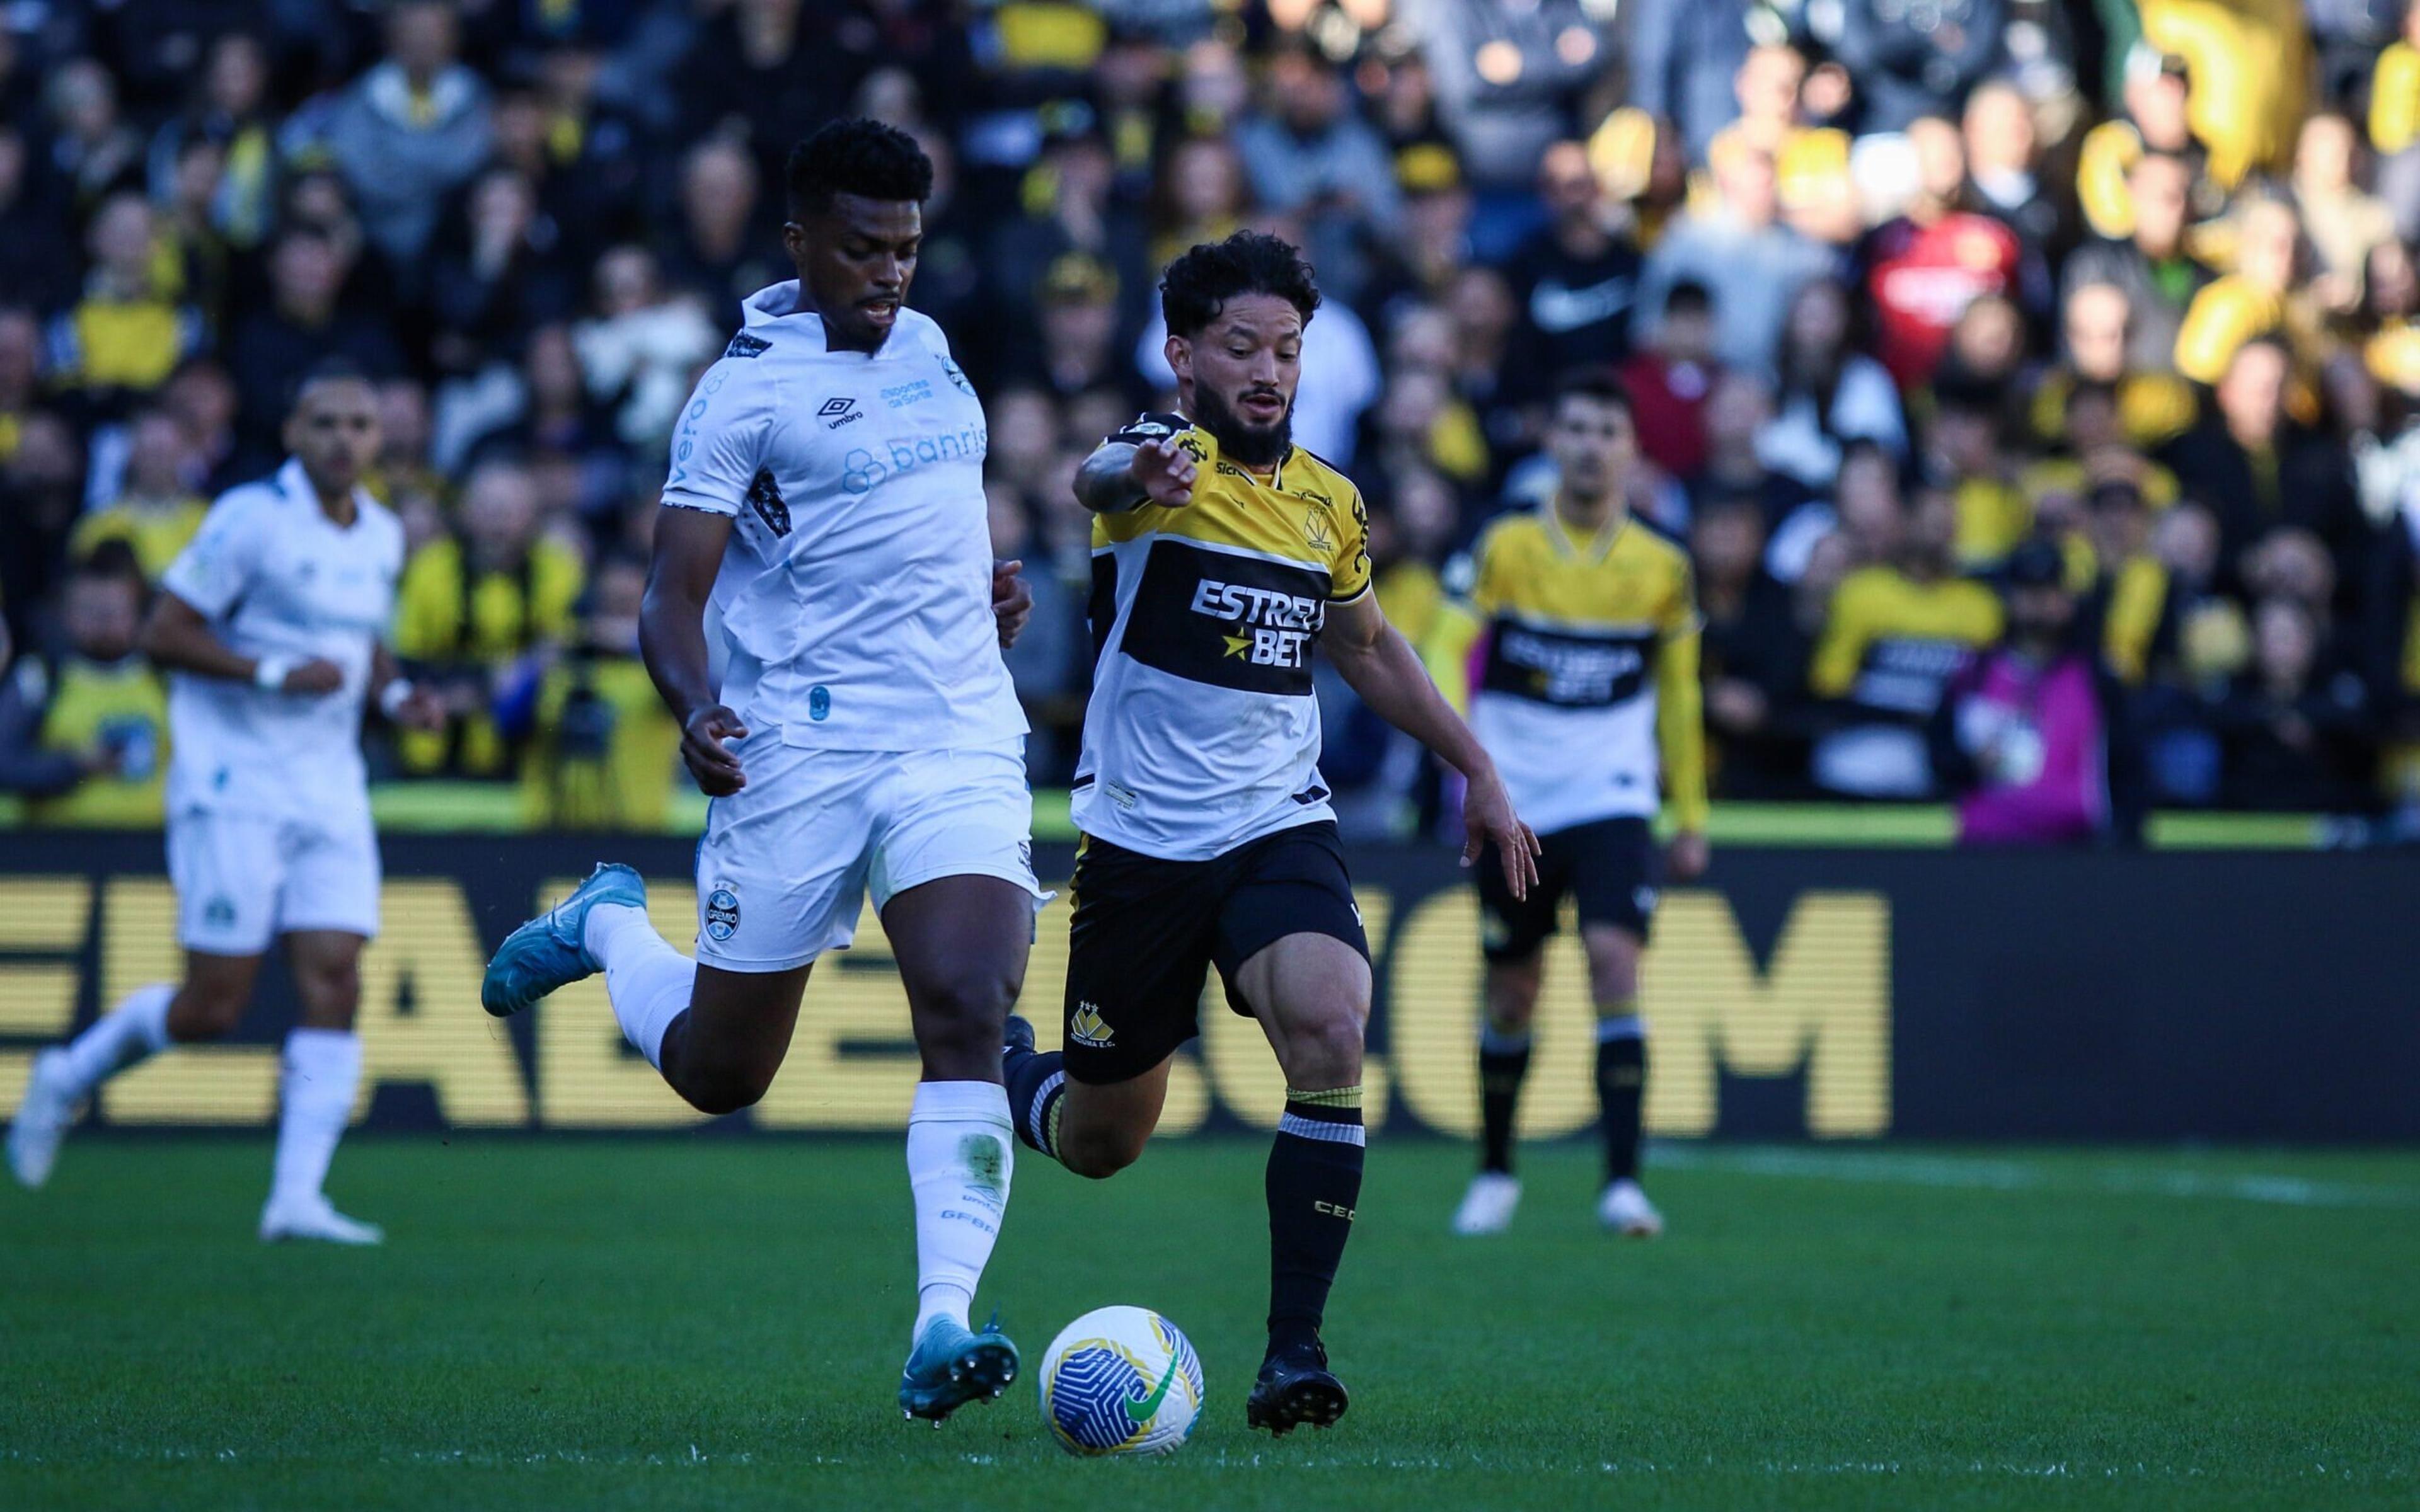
<point>1085,1027</point>
<point>721,912</point>
<point>220,911</point>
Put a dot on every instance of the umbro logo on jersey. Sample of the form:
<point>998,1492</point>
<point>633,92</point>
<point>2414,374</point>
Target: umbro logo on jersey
<point>744,345</point>
<point>837,412</point>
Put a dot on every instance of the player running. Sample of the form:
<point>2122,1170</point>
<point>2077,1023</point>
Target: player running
<point>1221,551</point>
<point>269,625</point>
<point>1587,625</point>
<point>825,496</point>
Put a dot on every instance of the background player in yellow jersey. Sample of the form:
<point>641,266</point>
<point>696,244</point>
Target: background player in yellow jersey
<point>1580,645</point>
<point>1221,552</point>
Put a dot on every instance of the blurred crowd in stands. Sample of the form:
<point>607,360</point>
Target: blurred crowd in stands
<point>1969,339</point>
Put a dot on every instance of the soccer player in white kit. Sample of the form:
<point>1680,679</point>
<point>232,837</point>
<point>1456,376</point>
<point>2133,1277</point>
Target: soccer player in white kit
<point>825,496</point>
<point>268,624</point>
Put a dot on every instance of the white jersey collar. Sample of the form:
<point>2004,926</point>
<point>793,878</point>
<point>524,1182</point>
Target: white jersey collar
<point>296,483</point>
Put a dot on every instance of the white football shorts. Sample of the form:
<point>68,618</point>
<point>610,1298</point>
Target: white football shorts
<point>243,879</point>
<point>787,862</point>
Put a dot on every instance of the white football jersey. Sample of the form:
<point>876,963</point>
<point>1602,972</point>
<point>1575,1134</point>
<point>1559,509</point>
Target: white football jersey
<point>855,596</point>
<point>275,576</point>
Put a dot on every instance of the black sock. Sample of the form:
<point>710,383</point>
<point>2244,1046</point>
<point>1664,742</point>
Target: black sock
<point>1035,1085</point>
<point>1315,1181</point>
<point>1504,1060</point>
<point>1621,1085</point>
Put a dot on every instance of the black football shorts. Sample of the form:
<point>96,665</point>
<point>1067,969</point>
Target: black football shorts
<point>1608,867</point>
<point>1145,932</point>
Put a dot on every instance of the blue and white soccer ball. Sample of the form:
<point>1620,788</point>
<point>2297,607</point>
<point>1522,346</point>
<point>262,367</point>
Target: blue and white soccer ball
<point>1120,1381</point>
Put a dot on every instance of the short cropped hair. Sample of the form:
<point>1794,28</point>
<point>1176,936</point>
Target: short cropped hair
<point>1600,384</point>
<point>860,157</point>
<point>1199,283</point>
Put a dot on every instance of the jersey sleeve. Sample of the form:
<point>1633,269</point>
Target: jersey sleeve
<point>1348,572</point>
<point>1841,649</point>
<point>218,568</point>
<point>1150,425</point>
<point>1679,706</point>
<point>720,441</point>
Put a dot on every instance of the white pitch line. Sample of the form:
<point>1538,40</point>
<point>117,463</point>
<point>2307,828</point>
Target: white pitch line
<point>2000,1175</point>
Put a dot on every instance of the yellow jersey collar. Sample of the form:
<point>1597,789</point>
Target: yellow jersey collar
<point>1559,534</point>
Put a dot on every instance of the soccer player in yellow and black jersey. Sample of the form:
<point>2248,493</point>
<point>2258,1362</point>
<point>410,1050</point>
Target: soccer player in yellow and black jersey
<point>1580,640</point>
<point>1221,552</point>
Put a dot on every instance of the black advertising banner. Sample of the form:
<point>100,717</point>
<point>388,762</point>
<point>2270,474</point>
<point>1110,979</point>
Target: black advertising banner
<point>1825,994</point>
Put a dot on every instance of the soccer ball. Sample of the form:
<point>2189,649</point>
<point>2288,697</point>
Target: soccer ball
<point>1120,1381</point>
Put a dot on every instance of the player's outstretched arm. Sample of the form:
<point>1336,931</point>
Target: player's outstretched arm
<point>672,638</point>
<point>1123,475</point>
<point>1380,665</point>
<point>177,638</point>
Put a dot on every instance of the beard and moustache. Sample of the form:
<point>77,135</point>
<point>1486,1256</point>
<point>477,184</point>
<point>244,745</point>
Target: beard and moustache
<point>1239,441</point>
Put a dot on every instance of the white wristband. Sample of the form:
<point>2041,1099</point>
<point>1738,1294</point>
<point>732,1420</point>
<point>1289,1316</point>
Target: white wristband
<point>270,673</point>
<point>391,696</point>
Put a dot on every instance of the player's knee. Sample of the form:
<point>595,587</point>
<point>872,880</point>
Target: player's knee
<point>727,1091</point>
<point>961,1011</point>
<point>206,1010</point>
<point>1101,1153</point>
<point>1325,1050</point>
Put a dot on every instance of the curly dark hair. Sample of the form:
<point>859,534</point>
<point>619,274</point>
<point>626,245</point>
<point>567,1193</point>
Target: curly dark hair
<point>856,157</point>
<point>1200,283</point>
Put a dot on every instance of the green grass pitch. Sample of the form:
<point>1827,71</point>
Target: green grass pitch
<point>718,1322</point>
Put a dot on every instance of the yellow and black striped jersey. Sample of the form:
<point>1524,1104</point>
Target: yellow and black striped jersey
<point>1203,732</point>
<point>1582,659</point>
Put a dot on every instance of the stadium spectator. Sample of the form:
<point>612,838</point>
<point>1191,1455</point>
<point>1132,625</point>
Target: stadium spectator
<point>2033,736</point>
<point>1575,279</point>
<point>232,113</point>
<point>722,250</point>
<point>1928,264</point>
<point>37,261</point>
<point>130,328</point>
<point>604,753</point>
<point>157,512</point>
<point>1738,248</point>
<point>477,611</point>
<point>1911,61</point>
<point>41,491</point>
<point>1830,393</point>
<point>305,323</point>
<point>493,274</point>
<point>2258,469</point>
<point>410,133</point>
<point>93,152</point>
<point>1894,634</point>
<point>2291,730</point>
<point>1671,381</point>
<point>2150,263</point>
<point>1685,59</point>
<point>1754,655</point>
<point>2261,296</point>
<point>643,347</point>
<point>1310,156</point>
<point>84,734</point>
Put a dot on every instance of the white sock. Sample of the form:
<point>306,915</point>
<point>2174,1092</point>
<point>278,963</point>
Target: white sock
<point>647,981</point>
<point>961,1152</point>
<point>123,1036</point>
<point>323,1067</point>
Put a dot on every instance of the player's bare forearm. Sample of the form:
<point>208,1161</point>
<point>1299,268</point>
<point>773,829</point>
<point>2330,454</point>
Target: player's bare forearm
<point>672,617</point>
<point>177,638</point>
<point>1105,482</point>
<point>1380,666</point>
<point>1377,663</point>
<point>672,641</point>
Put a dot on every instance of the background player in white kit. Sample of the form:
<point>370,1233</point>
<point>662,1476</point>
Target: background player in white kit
<point>268,624</point>
<point>826,492</point>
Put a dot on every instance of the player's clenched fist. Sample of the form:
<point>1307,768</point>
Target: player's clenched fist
<point>1164,470</point>
<point>710,761</point>
<point>1012,601</point>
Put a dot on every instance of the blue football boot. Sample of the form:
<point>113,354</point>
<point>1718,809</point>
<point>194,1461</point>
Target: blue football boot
<point>550,950</point>
<point>951,1365</point>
